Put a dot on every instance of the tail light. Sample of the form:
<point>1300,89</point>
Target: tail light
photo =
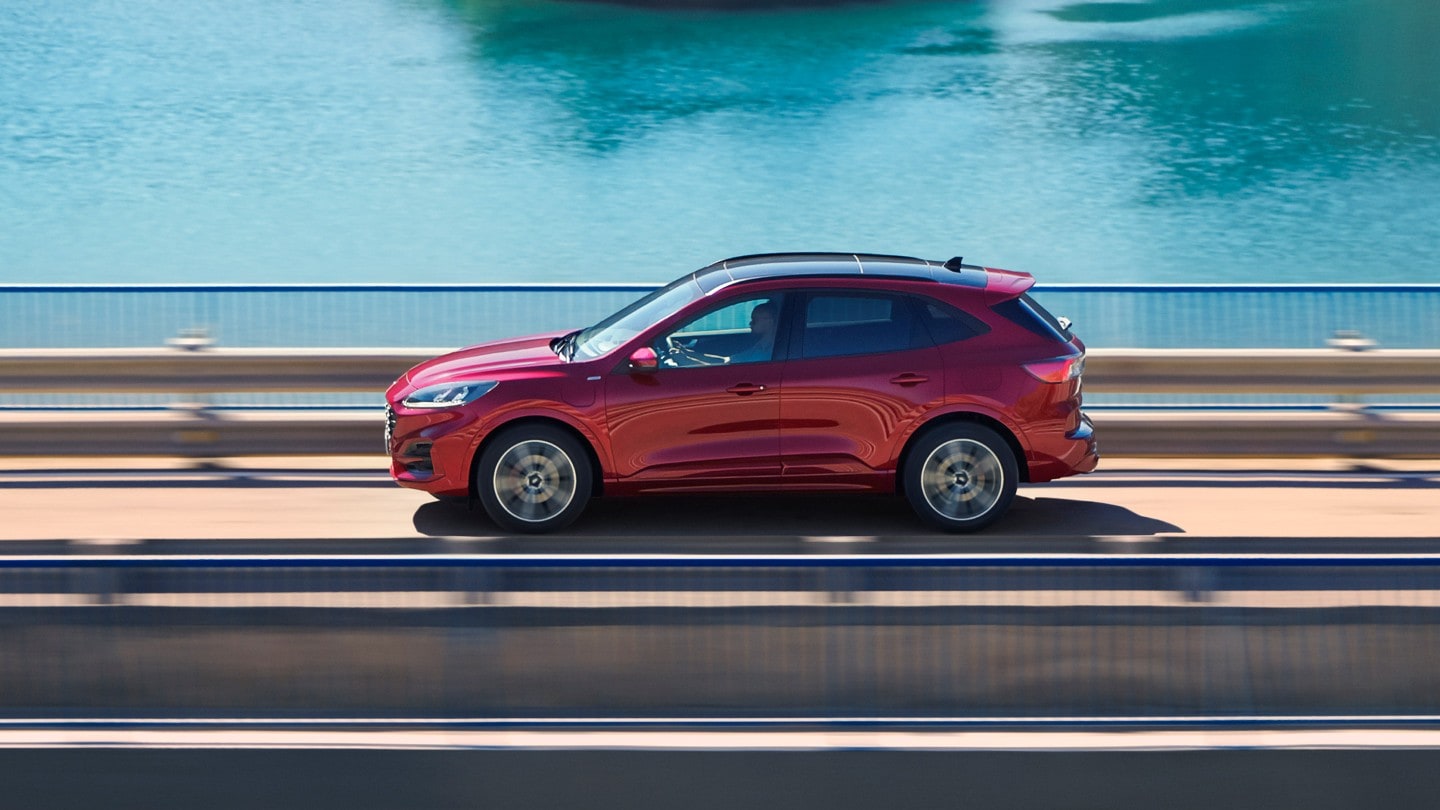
<point>1058,370</point>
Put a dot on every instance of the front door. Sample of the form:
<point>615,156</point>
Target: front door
<point>707,418</point>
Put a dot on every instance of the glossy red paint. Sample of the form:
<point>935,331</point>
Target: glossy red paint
<point>870,355</point>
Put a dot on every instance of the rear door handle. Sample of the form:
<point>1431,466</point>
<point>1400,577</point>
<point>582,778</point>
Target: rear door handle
<point>745,389</point>
<point>909,379</point>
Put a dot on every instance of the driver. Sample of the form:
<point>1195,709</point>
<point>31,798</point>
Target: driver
<point>762,333</point>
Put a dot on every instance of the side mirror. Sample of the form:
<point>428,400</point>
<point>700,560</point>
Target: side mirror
<point>644,360</point>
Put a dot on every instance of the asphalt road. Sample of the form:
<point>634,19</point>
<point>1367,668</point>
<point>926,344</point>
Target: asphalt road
<point>699,780</point>
<point>328,500</point>
<point>349,505</point>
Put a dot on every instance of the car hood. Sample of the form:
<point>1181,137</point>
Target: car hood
<point>496,359</point>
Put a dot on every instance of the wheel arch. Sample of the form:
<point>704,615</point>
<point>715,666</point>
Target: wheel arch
<point>591,456</point>
<point>963,417</point>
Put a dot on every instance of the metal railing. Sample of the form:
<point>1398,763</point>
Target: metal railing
<point>310,315</point>
<point>298,315</point>
<point>339,370</point>
<point>269,389</point>
<point>959,637</point>
<point>1243,316</point>
<point>180,383</point>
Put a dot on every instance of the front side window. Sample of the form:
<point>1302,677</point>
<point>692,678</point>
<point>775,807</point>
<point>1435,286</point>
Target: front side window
<point>841,324</point>
<point>734,333</point>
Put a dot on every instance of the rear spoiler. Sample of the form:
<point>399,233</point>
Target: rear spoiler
<point>1002,285</point>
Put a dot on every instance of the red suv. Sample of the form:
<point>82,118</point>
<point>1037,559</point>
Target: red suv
<point>943,382</point>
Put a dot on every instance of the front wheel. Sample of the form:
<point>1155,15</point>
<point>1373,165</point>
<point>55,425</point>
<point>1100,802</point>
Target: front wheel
<point>960,477</point>
<point>533,479</point>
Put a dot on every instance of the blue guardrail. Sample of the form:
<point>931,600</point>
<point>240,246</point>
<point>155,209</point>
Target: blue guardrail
<point>440,316</point>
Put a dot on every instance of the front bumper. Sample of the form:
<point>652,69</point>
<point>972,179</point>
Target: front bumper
<point>428,453</point>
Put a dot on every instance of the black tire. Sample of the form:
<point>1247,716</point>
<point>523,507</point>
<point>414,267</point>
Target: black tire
<point>960,477</point>
<point>533,479</point>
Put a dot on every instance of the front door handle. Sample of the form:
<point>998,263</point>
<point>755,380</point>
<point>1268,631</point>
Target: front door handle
<point>745,389</point>
<point>908,380</point>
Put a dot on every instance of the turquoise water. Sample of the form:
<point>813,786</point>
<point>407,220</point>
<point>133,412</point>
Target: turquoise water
<point>524,140</point>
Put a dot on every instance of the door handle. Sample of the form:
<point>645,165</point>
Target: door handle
<point>908,380</point>
<point>745,389</point>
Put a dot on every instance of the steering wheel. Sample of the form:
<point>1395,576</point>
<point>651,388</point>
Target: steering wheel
<point>679,353</point>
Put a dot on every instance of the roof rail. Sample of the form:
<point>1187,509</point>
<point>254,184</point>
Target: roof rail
<point>819,255</point>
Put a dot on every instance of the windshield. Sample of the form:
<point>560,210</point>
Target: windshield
<point>633,319</point>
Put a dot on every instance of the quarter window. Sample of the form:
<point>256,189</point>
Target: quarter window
<point>1027,312</point>
<point>948,324</point>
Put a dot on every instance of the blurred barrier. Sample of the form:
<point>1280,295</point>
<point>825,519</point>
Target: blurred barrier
<point>159,371</point>
<point>208,371</point>
<point>1299,316</point>
<point>1268,434</point>
<point>188,427</point>
<point>1336,372</point>
<point>204,433</point>
<point>964,637</point>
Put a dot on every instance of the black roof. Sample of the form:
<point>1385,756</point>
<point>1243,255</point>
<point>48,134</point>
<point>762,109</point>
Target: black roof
<point>784,265</point>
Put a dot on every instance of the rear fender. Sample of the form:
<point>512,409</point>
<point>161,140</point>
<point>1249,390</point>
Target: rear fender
<point>979,413</point>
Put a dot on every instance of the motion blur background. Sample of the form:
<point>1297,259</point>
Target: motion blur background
<point>527,140</point>
<point>1191,181</point>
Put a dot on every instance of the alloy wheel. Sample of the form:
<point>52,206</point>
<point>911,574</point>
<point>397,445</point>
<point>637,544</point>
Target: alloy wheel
<point>534,481</point>
<point>962,479</point>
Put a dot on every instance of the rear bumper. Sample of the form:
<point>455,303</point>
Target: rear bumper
<point>1086,434</point>
<point>1078,452</point>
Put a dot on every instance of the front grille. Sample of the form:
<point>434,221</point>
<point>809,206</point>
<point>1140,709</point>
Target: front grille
<point>389,426</point>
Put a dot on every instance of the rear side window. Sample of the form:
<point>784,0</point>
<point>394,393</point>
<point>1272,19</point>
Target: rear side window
<point>840,324</point>
<point>948,324</point>
<point>1027,312</point>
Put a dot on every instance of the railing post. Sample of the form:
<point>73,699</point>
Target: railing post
<point>192,439</point>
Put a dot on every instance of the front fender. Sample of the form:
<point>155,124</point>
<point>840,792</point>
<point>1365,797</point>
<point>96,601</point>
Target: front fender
<point>571,418</point>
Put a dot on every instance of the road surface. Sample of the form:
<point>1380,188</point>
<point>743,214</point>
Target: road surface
<point>351,499</point>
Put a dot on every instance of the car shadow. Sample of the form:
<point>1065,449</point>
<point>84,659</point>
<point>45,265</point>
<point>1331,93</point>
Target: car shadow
<point>781,523</point>
<point>1064,516</point>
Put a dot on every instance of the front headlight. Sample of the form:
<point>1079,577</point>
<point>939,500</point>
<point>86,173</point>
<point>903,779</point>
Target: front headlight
<point>448,395</point>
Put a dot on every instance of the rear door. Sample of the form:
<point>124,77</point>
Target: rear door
<point>862,369</point>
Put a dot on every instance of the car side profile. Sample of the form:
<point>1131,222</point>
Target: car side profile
<point>944,383</point>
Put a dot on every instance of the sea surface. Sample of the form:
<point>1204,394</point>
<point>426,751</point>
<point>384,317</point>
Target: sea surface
<point>539,141</point>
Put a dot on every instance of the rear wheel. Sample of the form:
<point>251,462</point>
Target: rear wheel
<point>960,477</point>
<point>533,478</point>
